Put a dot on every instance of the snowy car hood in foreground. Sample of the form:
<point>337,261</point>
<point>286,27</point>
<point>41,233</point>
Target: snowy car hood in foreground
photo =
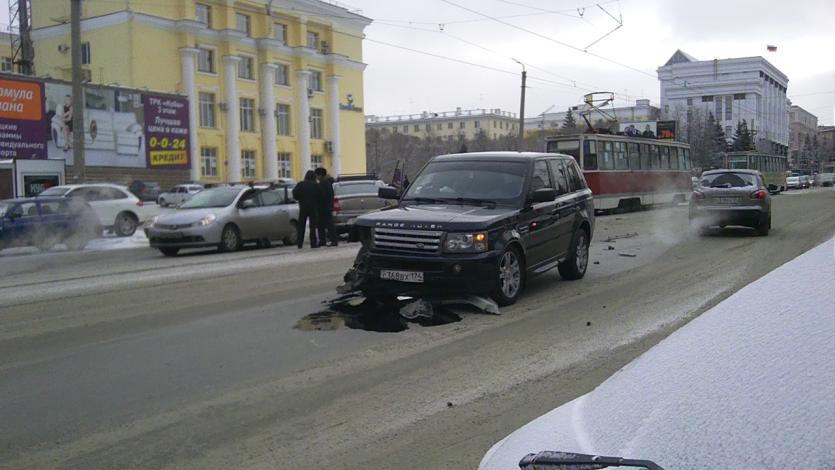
<point>748,384</point>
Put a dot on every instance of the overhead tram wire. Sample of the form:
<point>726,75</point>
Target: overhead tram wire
<point>612,61</point>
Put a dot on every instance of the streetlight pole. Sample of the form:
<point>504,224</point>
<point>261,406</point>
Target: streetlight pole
<point>79,170</point>
<point>522,108</point>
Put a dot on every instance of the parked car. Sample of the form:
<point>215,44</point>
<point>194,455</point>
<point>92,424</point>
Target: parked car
<point>793,182</point>
<point>178,194</point>
<point>227,217</point>
<point>47,221</point>
<point>479,223</point>
<point>731,197</point>
<point>805,181</point>
<point>146,191</point>
<point>354,198</point>
<point>116,207</point>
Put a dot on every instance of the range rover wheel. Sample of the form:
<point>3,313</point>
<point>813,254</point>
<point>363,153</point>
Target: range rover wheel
<point>509,281</point>
<point>574,266</point>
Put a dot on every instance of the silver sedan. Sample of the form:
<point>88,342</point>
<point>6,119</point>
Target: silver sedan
<point>227,217</point>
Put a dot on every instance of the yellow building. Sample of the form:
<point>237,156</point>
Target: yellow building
<point>449,125</point>
<point>276,88</point>
<point>6,64</point>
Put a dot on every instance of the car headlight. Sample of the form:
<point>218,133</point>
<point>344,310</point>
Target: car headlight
<point>208,220</point>
<point>466,242</point>
<point>153,222</point>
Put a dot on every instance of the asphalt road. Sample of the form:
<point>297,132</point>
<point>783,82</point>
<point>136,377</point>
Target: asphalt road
<point>129,359</point>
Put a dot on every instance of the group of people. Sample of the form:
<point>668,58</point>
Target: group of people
<point>315,197</point>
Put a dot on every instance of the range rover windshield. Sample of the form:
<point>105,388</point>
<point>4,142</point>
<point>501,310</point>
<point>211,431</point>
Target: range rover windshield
<point>468,182</point>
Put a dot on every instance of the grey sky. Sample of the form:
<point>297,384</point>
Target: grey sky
<point>399,81</point>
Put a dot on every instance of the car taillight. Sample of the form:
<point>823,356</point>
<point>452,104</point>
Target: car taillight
<point>697,195</point>
<point>336,206</point>
<point>140,203</point>
<point>758,194</point>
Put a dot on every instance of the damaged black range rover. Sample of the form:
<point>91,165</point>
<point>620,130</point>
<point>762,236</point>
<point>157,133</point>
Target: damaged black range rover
<point>478,224</point>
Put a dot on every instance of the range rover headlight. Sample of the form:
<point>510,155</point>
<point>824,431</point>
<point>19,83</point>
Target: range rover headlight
<point>466,242</point>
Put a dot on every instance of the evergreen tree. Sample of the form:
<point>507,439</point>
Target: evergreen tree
<point>569,122</point>
<point>742,137</point>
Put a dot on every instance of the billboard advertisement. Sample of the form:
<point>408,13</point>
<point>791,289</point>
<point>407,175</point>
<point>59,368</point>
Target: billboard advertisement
<point>645,129</point>
<point>122,128</point>
<point>22,127</point>
<point>667,130</point>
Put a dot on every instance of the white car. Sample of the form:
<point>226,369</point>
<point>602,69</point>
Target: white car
<point>115,206</point>
<point>747,384</point>
<point>178,194</point>
<point>793,182</point>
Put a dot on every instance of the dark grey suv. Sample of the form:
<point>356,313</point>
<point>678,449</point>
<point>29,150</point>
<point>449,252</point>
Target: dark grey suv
<point>480,223</point>
<point>731,197</point>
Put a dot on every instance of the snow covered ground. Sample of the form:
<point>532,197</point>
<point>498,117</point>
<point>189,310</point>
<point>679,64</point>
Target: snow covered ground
<point>748,384</point>
<point>107,242</point>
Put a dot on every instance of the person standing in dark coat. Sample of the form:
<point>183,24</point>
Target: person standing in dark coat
<point>308,193</point>
<point>326,229</point>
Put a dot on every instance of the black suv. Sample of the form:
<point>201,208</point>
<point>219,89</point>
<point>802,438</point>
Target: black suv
<point>479,223</point>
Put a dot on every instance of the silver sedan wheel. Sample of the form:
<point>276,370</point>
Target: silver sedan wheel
<point>230,239</point>
<point>510,274</point>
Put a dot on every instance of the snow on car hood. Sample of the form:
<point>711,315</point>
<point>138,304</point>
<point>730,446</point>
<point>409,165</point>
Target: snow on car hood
<point>748,384</point>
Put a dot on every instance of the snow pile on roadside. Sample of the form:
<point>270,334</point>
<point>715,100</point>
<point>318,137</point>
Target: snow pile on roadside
<point>748,384</point>
<point>138,240</point>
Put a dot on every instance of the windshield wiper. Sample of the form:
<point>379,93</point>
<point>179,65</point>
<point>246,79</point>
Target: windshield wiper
<point>569,460</point>
<point>425,200</point>
<point>476,201</point>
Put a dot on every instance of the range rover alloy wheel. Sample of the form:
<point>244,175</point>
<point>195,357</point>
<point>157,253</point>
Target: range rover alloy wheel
<point>510,277</point>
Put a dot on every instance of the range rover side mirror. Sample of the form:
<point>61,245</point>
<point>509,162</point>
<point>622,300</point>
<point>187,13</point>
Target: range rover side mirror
<point>387,193</point>
<point>543,195</point>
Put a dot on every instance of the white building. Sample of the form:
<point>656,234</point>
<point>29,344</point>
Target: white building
<point>749,88</point>
<point>641,112</point>
<point>449,125</point>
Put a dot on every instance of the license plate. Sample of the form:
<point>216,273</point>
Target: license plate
<point>171,235</point>
<point>401,276</point>
<point>727,200</point>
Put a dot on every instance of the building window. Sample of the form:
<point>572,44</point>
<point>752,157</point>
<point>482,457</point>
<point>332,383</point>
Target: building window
<point>729,104</point>
<point>282,75</point>
<point>282,122</point>
<point>405,129</point>
<point>242,23</point>
<point>207,109</point>
<point>440,126</point>
<point>417,128</point>
<point>280,32</point>
<point>707,99</point>
<point>247,164</point>
<point>312,40</point>
<point>449,125</point>
<point>428,127</point>
<point>206,60</point>
<point>6,65</point>
<point>316,161</point>
<point>246,68</point>
<point>86,54</point>
<point>203,14</point>
<point>461,125</point>
<point>477,124</point>
<point>316,81</point>
<point>689,101</point>
<point>315,123</point>
<point>208,161</point>
<point>717,108</point>
<point>285,165</point>
<point>247,115</point>
<point>739,96</point>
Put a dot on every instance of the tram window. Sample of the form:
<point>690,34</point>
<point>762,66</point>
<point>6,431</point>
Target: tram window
<point>655,164</point>
<point>568,147</point>
<point>664,157</point>
<point>634,156</point>
<point>645,157</point>
<point>606,158</point>
<point>687,163</point>
<point>589,155</point>
<point>674,158</point>
<point>621,163</point>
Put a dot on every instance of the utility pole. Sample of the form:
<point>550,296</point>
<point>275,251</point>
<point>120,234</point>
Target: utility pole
<point>79,170</point>
<point>522,108</point>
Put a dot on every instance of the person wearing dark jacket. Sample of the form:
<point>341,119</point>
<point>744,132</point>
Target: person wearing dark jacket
<point>308,193</point>
<point>326,229</point>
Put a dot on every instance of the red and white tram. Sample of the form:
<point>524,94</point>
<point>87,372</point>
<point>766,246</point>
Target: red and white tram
<point>629,172</point>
